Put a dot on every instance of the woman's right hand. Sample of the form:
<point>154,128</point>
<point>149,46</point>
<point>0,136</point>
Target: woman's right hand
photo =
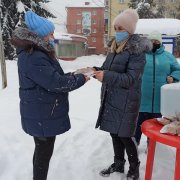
<point>99,75</point>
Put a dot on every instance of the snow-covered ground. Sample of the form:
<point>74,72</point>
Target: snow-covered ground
<point>81,152</point>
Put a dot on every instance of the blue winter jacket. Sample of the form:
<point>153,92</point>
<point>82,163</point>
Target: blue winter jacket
<point>158,66</point>
<point>43,93</point>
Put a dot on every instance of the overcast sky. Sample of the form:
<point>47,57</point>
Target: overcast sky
<point>57,7</point>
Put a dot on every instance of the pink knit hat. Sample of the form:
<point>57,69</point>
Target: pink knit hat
<point>127,20</point>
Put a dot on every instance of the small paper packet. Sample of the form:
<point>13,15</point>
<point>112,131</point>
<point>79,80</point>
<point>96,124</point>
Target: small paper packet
<point>163,120</point>
<point>172,128</point>
<point>86,71</point>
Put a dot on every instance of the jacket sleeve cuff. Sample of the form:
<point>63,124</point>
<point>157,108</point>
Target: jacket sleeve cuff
<point>80,79</point>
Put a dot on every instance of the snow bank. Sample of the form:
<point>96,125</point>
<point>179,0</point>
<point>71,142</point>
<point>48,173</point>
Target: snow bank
<point>164,26</point>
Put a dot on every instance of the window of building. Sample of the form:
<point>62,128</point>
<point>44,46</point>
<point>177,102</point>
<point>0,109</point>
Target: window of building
<point>78,31</point>
<point>94,30</point>
<point>173,1</point>
<point>121,1</point>
<point>79,13</point>
<point>94,21</point>
<point>94,13</point>
<point>106,2</point>
<point>78,21</point>
<point>93,39</point>
<point>120,11</point>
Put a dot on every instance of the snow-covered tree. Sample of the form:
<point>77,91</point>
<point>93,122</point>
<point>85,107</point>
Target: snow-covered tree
<point>160,10</point>
<point>178,12</point>
<point>148,9</point>
<point>133,4</point>
<point>13,15</point>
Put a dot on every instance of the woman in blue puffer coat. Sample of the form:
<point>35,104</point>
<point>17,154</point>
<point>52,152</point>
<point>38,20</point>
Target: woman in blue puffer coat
<point>161,68</point>
<point>43,89</point>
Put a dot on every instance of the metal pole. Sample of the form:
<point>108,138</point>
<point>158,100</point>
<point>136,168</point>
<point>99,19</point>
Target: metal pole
<point>2,59</point>
<point>109,21</point>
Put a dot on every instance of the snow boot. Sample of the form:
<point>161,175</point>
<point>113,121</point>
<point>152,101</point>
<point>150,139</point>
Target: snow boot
<point>117,166</point>
<point>133,173</point>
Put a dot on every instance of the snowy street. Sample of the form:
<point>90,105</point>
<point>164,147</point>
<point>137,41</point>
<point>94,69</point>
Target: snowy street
<point>81,152</point>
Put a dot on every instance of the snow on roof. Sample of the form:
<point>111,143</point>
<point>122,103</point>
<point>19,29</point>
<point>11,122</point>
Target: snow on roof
<point>164,26</point>
<point>65,36</point>
<point>91,4</point>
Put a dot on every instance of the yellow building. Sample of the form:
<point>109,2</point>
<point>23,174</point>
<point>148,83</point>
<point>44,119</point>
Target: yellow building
<point>115,7</point>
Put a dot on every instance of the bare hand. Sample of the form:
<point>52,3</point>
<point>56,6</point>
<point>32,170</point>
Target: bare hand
<point>87,78</point>
<point>99,75</point>
<point>169,79</point>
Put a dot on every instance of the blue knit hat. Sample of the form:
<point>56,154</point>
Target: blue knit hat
<point>37,24</point>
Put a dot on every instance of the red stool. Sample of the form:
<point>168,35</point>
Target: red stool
<point>151,128</point>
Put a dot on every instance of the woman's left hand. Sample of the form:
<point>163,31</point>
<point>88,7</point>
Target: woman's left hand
<point>99,75</point>
<point>170,79</point>
<point>87,78</point>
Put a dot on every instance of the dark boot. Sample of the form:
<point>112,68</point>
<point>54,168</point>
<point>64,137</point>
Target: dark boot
<point>117,166</point>
<point>133,173</point>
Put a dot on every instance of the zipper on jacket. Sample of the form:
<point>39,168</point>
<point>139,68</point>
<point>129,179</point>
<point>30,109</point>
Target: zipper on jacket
<point>55,104</point>
<point>154,73</point>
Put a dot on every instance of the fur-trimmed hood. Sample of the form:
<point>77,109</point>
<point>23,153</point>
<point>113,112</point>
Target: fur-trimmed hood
<point>137,44</point>
<point>23,37</point>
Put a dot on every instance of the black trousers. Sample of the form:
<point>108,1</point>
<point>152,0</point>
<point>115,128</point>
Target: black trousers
<point>42,154</point>
<point>142,117</point>
<point>120,144</point>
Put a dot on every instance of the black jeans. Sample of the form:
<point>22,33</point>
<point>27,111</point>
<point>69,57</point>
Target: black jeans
<point>42,154</point>
<point>142,117</point>
<point>120,144</point>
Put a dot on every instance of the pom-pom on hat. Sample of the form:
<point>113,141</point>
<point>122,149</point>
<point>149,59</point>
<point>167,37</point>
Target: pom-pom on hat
<point>37,24</point>
<point>127,20</point>
<point>155,36</point>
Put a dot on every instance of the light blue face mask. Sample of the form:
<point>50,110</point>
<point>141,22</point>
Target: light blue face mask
<point>120,36</point>
<point>51,42</point>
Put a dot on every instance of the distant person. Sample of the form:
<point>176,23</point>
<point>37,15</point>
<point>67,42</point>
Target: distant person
<point>121,76</point>
<point>161,68</point>
<point>43,89</point>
